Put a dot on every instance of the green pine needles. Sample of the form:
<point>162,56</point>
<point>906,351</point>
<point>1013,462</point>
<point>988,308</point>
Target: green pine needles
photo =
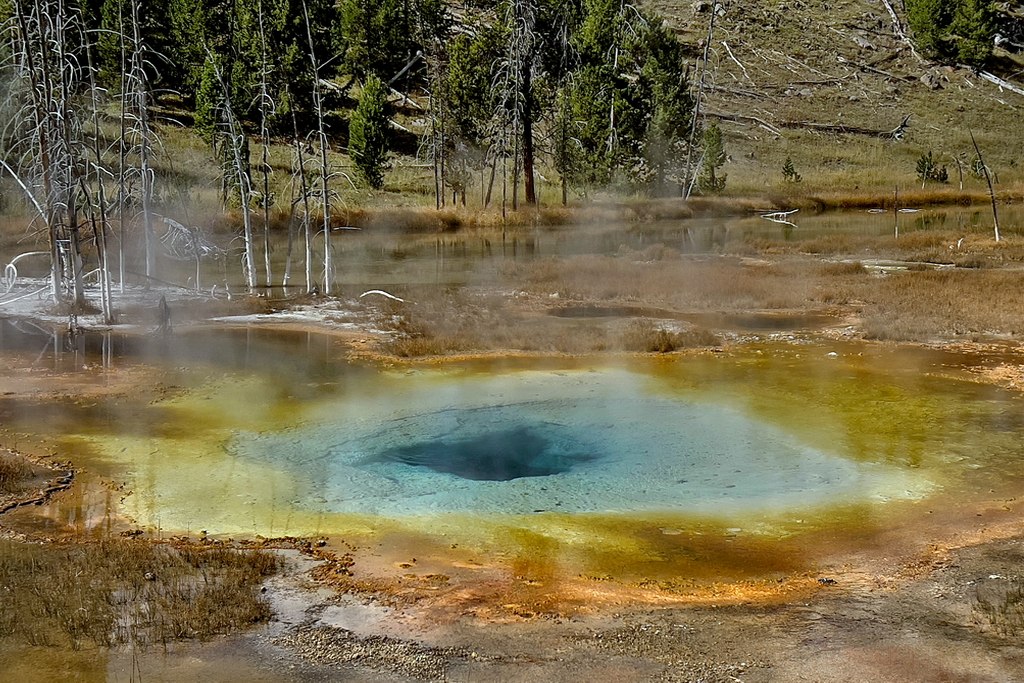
<point>953,31</point>
<point>709,181</point>
<point>368,133</point>
<point>789,173</point>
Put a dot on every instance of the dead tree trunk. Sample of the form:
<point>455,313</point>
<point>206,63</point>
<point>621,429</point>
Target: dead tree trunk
<point>324,167</point>
<point>690,173</point>
<point>988,180</point>
<point>142,111</point>
<point>527,95</point>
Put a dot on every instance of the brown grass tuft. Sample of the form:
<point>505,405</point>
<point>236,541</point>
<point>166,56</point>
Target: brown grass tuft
<point>646,336</point>
<point>966,304</point>
<point>127,591</point>
<point>14,470</point>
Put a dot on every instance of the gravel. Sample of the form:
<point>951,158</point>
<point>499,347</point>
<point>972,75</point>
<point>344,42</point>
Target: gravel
<point>323,645</point>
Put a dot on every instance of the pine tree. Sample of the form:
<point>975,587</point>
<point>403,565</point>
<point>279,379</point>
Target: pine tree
<point>469,106</point>
<point>369,133</point>
<point>972,30</point>
<point>929,170</point>
<point>626,105</point>
<point>208,98</point>
<point>789,172</point>
<point>714,158</point>
<point>378,36</point>
<point>929,21</point>
<point>955,31</point>
<point>671,104</point>
<point>110,17</point>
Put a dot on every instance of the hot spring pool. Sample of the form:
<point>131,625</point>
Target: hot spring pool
<point>717,464</point>
<point>597,441</point>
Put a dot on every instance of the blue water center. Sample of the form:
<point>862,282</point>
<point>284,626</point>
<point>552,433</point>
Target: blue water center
<point>501,454</point>
<point>555,442</point>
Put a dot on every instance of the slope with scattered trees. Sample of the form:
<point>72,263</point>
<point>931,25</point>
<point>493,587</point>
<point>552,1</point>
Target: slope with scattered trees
<point>500,98</point>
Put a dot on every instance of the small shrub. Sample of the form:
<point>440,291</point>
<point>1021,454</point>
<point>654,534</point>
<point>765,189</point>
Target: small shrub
<point>709,181</point>
<point>929,170</point>
<point>843,268</point>
<point>369,132</point>
<point>789,173</point>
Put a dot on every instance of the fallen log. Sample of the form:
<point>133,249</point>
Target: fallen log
<point>841,128</point>
<point>1004,84</point>
<point>743,118</point>
<point>891,134</point>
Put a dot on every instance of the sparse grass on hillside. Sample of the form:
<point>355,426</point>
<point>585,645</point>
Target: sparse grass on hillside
<point>838,63</point>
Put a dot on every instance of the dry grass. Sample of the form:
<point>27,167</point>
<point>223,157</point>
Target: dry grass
<point>648,337</point>
<point>127,591</point>
<point>928,245</point>
<point>619,296</point>
<point>457,321</point>
<point>14,470</point>
<point>1000,603</point>
<point>922,306</point>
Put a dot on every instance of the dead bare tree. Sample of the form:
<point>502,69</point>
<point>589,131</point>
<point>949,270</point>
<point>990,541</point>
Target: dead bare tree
<point>988,180</point>
<point>689,174</point>
<point>299,168</point>
<point>98,209</point>
<point>267,109</point>
<point>46,38</point>
<point>325,174</point>
<point>515,83</point>
<point>237,142</point>
<point>143,134</point>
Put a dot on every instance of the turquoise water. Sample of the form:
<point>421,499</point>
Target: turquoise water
<point>274,433</point>
<point>570,442</point>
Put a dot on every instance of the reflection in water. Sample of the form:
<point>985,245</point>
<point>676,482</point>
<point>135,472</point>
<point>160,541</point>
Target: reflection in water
<point>380,257</point>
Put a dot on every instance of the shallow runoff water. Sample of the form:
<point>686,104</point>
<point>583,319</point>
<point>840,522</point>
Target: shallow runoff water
<point>386,257</point>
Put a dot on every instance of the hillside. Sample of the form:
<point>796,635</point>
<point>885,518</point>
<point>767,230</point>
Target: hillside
<point>780,68</point>
<point>820,83</point>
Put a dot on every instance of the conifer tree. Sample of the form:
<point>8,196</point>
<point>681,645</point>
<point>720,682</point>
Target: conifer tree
<point>929,20</point>
<point>378,36</point>
<point>714,158</point>
<point>972,30</point>
<point>954,31</point>
<point>469,106</point>
<point>789,171</point>
<point>671,104</point>
<point>369,133</point>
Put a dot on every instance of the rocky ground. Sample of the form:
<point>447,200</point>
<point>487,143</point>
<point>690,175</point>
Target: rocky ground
<point>960,619</point>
